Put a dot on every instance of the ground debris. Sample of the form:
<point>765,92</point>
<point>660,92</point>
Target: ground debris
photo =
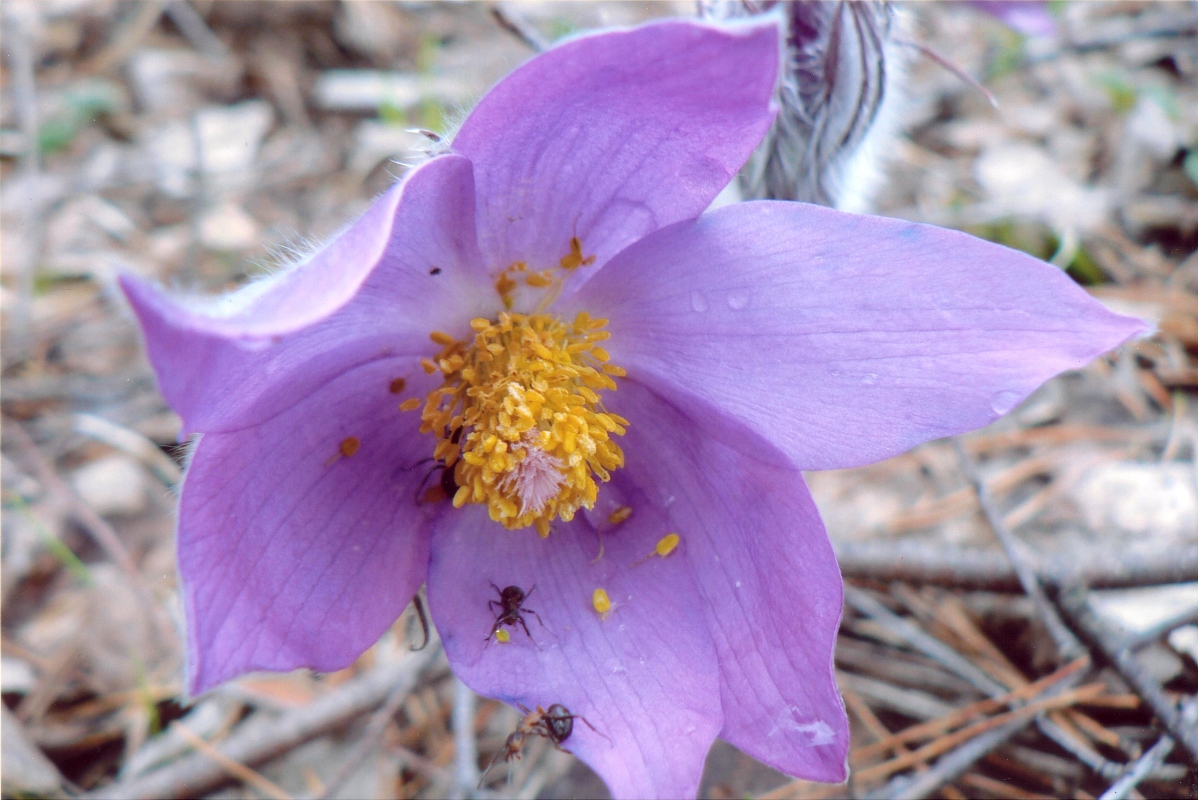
<point>202,144</point>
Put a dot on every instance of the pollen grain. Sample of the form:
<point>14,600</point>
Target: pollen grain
<point>601,603</point>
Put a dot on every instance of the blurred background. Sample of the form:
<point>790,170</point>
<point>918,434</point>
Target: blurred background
<point>199,143</point>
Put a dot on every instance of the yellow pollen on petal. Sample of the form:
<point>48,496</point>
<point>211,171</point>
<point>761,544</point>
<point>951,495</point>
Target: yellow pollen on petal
<point>521,409</point>
<point>502,636</point>
<point>350,445</point>
<point>411,404</point>
<point>601,603</point>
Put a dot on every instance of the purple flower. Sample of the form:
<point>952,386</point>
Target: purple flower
<point>1029,17</point>
<point>751,342</point>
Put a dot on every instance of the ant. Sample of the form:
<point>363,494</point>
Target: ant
<point>449,483</point>
<point>510,605</point>
<point>556,725</point>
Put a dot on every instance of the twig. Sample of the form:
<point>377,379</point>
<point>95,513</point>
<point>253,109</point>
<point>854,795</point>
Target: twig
<point>1076,602</point>
<point>264,737</point>
<point>1077,747</point>
<point>925,642</point>
<point>949,767</point>
<point>130,442</point>
<point>515,24</point>
<point>234,768</point>
<point>1068,646</point>
<point>368,740</point>
<point>946,743</point>
<point>975,568</point>
<point>1164,25</point>
<point>195,30</point>
<point>962,715</point>
<point>465,747</point>
<point>95,525</point>
<point>1140,770</point>
<point>143,18</point>
<point>18,41</point>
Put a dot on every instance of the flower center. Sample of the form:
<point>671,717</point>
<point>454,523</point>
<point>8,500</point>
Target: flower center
<point>519,418</point>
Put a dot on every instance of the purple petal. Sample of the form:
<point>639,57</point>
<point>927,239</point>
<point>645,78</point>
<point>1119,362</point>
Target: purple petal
<point>840,339</point>
<point>368,295</point>
<point>611,136</point>
<point>769,586</point>
<point>1029,17</point>
<point>292,554</point>
<point>645,677</point>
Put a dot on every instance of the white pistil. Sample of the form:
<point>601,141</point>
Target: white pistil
<point>536,479</point>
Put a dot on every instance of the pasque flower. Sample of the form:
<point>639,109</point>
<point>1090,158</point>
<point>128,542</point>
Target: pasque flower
<point>624,389</point>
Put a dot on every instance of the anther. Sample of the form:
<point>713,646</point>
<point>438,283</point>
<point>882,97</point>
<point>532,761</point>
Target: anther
<point>619,515</point>
<point>665,545</point>
<point>397,385</point>
<point>347,448</point>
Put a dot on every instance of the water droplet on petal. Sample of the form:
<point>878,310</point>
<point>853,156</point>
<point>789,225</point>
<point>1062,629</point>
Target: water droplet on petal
<point>869,378</point>
<point>738,300</point>
<point>698,301</point>
<point>1004,401</point>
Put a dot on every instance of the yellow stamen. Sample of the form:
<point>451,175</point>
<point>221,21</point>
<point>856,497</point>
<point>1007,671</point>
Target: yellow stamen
<point>411,404</point>
<point>601,603</point>
<point>350,446</point>
<point>665,545</point>
<point>619,515</point>
<point>575,259</point>
<point>520,409</point>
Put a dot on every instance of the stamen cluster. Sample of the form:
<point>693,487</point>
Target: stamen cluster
<point>519,417</point>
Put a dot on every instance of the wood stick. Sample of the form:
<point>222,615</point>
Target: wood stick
<point>1068,646</point>
<point>938,726</point>
<point>266,736</point>
<point>234,768</point>
<point>946,743</point>
<point>975,568</point>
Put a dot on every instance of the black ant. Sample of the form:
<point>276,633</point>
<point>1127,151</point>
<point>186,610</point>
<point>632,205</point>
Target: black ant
<point>556,725</point>
<point>447,489</point>
<point>449,483</point>
<point>510,605</point>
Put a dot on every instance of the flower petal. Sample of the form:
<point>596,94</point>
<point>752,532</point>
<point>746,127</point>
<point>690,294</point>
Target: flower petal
<point>645,677</point>
<point>298,547</point>
<point>769,586</point>
<point>369,294</point>
<point>840,339</point>
<point>611,136</point>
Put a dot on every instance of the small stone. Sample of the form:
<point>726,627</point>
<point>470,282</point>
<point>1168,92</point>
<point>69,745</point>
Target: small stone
<point>375,142</point>
<point>112,486</point>
<point>228,227</point>
<point>16,676</point>
<point>1136,499</point>
<point>1161,663</point>
<point>1185,640</point>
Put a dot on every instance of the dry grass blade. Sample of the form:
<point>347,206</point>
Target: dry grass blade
<point>939,726</point>
<point>234,768</point>
<point>942,745</point>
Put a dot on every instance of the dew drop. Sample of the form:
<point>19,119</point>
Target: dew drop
<point>698,301</point>
<point>1004,401</point>
<point>869,378</point>
<point>738,300</point>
